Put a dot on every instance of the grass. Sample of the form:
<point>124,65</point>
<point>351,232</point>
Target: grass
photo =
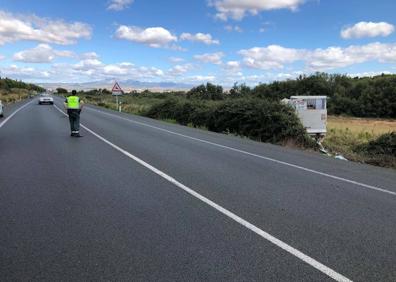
<point>373,127</point>
<point>344,134</point>
<point>13,95</point>
<point>130,104</point>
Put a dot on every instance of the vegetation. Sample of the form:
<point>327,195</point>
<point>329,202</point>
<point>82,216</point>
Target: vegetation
<point>206,92</point>
<point>257,114</point>
<point>135,103</point>
<point>360,97</point>
<point>61,90</point>
<point>13,90</point>
<point>349,136</point>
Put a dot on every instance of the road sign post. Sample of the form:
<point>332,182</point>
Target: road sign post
<point>117,91</point>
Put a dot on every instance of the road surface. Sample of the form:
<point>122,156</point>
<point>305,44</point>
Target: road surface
<point>139,199</point>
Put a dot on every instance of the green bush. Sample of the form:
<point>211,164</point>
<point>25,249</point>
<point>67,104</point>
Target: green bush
<point>184,112</point>
<point>383,145</point>
<point>164,110</point>
<point>257,119</point>
<point>380,151</point>
<point>206,92</point>
<point>263,120</point>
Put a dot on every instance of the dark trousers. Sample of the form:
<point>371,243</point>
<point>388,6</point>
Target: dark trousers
<point>74,119</point>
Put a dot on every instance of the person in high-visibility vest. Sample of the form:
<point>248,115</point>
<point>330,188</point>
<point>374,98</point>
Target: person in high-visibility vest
<point>74,104</point>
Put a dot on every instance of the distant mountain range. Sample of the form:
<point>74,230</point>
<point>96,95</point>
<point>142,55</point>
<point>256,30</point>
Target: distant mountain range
<point>126,85</point>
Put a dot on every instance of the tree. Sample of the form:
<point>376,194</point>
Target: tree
<point>238,91</point>
<point>61,90</point>
<point>206,92</point>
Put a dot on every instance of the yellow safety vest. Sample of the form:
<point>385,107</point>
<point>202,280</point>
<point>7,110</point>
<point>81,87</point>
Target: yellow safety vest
<point>73,102</point>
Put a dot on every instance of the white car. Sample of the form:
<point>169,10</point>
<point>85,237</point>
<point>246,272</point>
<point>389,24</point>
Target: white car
<point>1,109</point>
<point>46,99</point>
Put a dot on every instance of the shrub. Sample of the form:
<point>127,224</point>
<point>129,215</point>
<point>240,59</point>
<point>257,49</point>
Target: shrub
<point>206,92</point>
<point>164,110</point>
<point>257,119</point>
<point>380,151</point>
<point>383,145</point>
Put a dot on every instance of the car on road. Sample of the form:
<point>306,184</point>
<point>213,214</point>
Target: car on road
<point>46,99</point>
<point>1,109</point>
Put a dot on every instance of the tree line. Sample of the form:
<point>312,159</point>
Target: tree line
<point>360,97</point>
<point>9,84</point>
<point>352,96</point>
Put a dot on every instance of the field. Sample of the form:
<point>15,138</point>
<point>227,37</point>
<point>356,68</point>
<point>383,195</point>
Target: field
<point>373,127</point>
<point>130,104</point>
<point>345,133</point>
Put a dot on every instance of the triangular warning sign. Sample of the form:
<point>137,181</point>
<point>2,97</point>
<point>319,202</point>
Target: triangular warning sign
<point>116,88</point>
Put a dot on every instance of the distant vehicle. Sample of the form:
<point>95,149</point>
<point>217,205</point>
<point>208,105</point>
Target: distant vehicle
<point>45,99</point>
<point>312,111</point>
<point>1,109</point>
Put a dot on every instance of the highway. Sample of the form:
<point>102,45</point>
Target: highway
<point>143,200</point>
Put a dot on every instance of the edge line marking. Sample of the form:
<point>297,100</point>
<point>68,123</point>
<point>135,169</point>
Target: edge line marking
<point>14,113</point>
<point>366,186</point>
<point>291,250</point>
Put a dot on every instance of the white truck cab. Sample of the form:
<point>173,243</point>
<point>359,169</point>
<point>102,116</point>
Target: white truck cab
<point>312,111</point>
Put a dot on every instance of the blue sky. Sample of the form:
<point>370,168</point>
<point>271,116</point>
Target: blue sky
<point>222,41</point>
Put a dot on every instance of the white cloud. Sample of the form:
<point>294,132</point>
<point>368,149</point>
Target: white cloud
<point>43,53</point>
<point>119,5</point>
<point>28,73</point>
<point>155,37</point>
<point>199,37</point>
<point>337,57</point>
<point>276,57</point>
<point>202,78</point>
<point>2,57</point>
<point>235,28</point>
<point>367,29</point>
<point>368,74</point>
<point>120,69</point>
<point>237,9</point>
<point>271,57</point>
<point>265,26</point>
<point>92,68</point>
<point>176,59</point>
<point>24,27</point>
<point>180,69</point>
<point>88,64</point>
<point>214,58</point>
<point>232,67</point>
<point>89,55</point>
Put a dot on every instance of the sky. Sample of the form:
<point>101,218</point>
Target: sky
<point>195,41</point>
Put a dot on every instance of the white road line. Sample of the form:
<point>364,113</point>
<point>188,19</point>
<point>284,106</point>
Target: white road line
<point>366,186</point>
<point>14,113</point>
<point>307,259</point>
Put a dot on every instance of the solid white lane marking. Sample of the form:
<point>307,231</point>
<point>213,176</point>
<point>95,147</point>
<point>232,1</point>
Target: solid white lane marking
<point>307,259</point>
<point>367,186</point>
<point>14,113</point>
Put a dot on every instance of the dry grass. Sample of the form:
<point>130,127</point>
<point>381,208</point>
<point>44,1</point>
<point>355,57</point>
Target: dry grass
<point>373,127</point>
<point>13,95</point>
<point>344,134</point>
<point>130,104</point>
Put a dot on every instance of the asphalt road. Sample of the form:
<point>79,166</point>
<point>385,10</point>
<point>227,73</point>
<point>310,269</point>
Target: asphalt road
<point>85,209</point>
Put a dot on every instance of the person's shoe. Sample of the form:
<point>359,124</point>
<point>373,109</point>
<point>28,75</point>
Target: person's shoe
<point>78,135</point>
